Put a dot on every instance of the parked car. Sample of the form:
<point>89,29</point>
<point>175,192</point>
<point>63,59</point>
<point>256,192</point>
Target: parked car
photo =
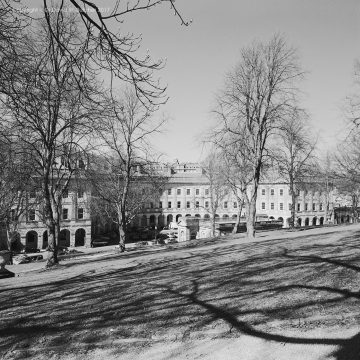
<point>30,250</point>
<point>99,242</point>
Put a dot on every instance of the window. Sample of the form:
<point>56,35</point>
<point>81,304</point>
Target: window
<point>178,205</point>
<point>206,191</point>
<point>188,204</point>
<point>197,204</point>
<point>80,213</point>
<point>65,193</point>
<point>197,191</point>
<point>187,191</point>
<point>225,204</point>
<point>160,204</point>
<point>298,207</point>
<point>235,204</point>
<point>314,206</point>
<point>169,191</point>
<point>206,204</point>
<point>281,192</point>
<point>263,192</point>
<point>178,191</point>
<point>81,164</point>
<point>31,215</point>
<point>272,192</point>
<point>281,206</point>
<point>65,213</point>
<point>263,206</point>
<point>289,206</point>
<point>306,206</point>
<point>169,204</point>
<point>321,207</point>
<point>272,206</point>
<point>80,193</point>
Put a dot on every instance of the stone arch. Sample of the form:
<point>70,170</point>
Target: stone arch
<point>314,220</point>
<point>15,244</point>
<point>64,238</point>
<point>225,216</point>
<point>217,216</point>
<point>45,241</point>
<point>178,217</point>
<point>169,219</point>
<point>234,216</point>
<point>206,216</point>
<point>321,221</point>
<point>299,221</point>
<point>31,240</point>
<point>271,218</point>
<point>80,237</point>
<point>188,215</point>
<point>152,220</point>
<point>197,215</point>
<point>280,219</point>
<point>307,222</point>
<point>161,220</point>
<point>143,220</point>
<point>193,235</point>
<point>348,218</point>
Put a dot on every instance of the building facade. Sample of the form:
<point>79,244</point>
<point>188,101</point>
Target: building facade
<point>185,194</point>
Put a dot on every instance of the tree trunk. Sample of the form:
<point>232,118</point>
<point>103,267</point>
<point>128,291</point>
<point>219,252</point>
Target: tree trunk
<point>213,225</point>
<point>52,244</point>
<point>251,217</point>
<point>238,219</point>
<point>122,231</point>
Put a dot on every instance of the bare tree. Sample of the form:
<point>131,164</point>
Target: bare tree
<point>259,93</point>
<point>347,165</point>
<point>127,152</point>
<point>218,189</point>
<point>15,186</point>
<point>294,153</point>
<point>108,46</point>
<point>51,107</point>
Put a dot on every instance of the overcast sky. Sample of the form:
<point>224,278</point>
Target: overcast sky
<point>325,32</point>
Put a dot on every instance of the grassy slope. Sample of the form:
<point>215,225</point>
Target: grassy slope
<point>224,298</point>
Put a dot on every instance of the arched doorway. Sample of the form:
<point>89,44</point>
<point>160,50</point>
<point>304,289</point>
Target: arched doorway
<point>187,215</point>
<point>80,237</point>
<point>64,238</point>
<point>299,221</point>
<point>31,240</point>
<point>169,219</point>
<point>152,220</point>
<point>45,240</point>
<point>178,217</point>
<point>15,244</point>
<point>321,221</point>
<point>307,222</point>
<point>314,220</point>
<point>234,216</point>
<point>197,215</point>
<point>161,220</point>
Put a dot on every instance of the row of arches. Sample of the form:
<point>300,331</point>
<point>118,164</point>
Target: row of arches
<point>32,239</point>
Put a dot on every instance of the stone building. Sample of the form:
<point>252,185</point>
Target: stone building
<point>185,194</point>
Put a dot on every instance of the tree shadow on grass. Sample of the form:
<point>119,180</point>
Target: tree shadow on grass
<point>244,287</point>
